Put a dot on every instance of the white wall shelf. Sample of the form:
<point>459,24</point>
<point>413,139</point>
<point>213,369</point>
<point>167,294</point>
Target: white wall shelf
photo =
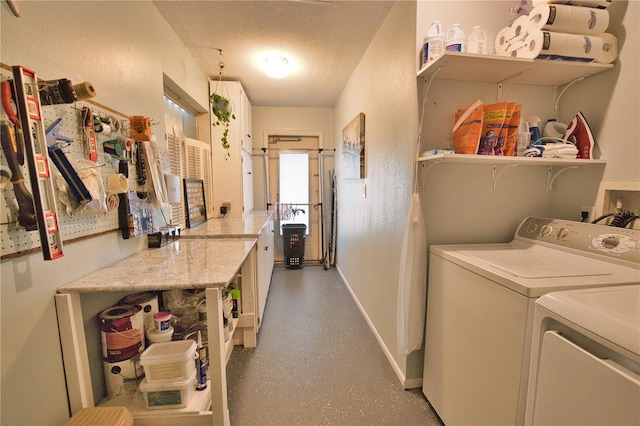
<point>555,166</point>
<point>497,69</point>
<point>505,71</point>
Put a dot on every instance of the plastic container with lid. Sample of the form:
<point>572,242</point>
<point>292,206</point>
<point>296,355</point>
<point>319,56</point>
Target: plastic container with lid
<point>163,395</point>
<point>155,336</point>
<point>456,39</point>
<point>477,42</point>
<point>169,361</point>
<point>162,320</point>
<point>434,43</point>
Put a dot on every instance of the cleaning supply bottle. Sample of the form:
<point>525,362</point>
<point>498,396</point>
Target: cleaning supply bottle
<point>553,129</point>
<point>456,39</point>
<point>477,42</point>
<point>534,128</point>
<point>523,139</point>
<point>201,364</point>
<point>433,43</point>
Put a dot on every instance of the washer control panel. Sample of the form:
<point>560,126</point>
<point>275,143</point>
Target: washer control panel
<point>603,241</point>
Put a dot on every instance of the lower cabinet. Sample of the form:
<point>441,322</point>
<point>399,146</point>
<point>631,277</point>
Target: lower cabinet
<point>265,259</point>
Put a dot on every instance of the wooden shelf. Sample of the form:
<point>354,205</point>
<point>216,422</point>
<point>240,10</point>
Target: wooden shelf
<point>497,69</point>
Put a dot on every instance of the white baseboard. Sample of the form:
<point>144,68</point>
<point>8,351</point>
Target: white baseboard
<point>406,384</point>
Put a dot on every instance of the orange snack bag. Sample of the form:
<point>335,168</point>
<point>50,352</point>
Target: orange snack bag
<point>512,133</point>
<point>467,128</point>
<point>492,119</point>
<point>498,149</point>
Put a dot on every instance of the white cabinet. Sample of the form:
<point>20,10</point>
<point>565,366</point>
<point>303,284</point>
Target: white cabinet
<point>233,170</point>
<point>264,267</point>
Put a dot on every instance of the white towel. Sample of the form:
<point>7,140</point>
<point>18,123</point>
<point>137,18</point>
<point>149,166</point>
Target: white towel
<point>559,150</point>
<point>412,283</point>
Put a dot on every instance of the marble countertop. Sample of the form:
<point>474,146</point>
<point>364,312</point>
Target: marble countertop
<point>249,227</point>
<point>185,263</point>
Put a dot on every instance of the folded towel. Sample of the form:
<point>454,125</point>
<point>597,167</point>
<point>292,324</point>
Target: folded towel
<point>558,150</point>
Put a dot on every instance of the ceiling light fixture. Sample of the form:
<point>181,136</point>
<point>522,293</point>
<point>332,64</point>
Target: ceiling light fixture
<point>276,66</point>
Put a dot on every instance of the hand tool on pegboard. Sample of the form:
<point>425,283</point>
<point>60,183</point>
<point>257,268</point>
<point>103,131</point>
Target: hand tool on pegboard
<point>30,114</point>
<point>8,96</point>
<point>77,188</point>
<point>90,133</point>
<point>26,211</point>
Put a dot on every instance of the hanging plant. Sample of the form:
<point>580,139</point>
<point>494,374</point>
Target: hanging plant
<point>222,108</point>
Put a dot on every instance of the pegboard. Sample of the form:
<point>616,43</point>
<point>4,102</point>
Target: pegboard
<point>15,240</point>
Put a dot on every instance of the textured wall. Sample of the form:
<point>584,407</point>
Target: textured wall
<point>370,228</point>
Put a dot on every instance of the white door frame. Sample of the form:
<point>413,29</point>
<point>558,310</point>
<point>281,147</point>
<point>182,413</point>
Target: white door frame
<point>321,185</point>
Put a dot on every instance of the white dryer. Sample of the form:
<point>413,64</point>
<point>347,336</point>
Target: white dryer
<point>585,362</point>
<point>480,306</point>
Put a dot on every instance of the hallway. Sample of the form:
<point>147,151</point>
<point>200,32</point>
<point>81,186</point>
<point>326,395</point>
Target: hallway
<point>317,362</point>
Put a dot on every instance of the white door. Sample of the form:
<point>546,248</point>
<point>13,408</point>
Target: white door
<point>294,190</point>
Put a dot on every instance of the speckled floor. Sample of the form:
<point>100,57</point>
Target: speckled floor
<point>317,362</point>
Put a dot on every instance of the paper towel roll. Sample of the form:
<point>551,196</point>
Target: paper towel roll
<point>609,51</point>
<point>569,19</point>
<point>509,36</point>
<point>502,41</point>
<point>600,4</point>
<point>550,45</point>
<point>521,27</point>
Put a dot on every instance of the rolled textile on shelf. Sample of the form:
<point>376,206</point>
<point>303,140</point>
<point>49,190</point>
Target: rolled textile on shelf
<point>568,19</point>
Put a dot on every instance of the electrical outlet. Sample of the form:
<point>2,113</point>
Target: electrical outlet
<point>587,213</point>
<point>226,204</point>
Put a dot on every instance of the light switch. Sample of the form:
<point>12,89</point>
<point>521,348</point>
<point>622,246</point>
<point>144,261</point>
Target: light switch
<point>364,190</point>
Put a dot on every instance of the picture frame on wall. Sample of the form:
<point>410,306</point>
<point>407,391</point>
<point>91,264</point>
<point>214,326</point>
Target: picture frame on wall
<point>353,145</point>
<point>194,202</point>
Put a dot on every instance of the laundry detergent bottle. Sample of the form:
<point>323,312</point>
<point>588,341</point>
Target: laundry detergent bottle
<point>456,39</point>
<point>434,43</point>
<point>477,42</point>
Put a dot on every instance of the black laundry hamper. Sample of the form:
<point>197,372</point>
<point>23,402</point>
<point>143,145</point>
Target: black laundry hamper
<point>293,243</point>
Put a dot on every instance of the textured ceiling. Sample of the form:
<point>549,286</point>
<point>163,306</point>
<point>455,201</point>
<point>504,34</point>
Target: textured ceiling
<point>324,40</point>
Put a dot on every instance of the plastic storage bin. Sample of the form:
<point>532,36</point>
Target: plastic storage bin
<point>165,395</point>
<point>293,243</point>
<point>169,361</point>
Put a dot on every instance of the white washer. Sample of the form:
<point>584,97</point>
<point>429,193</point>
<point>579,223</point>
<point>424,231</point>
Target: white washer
<point>480,306</point>
<point>585,362</point>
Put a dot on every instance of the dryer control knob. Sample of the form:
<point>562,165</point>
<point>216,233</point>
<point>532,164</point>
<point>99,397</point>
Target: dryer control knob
<point>546,230</point>
<point>563,232</point>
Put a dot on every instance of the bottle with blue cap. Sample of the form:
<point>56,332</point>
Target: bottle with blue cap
<point>456,39</point>
<point>434,42</point>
